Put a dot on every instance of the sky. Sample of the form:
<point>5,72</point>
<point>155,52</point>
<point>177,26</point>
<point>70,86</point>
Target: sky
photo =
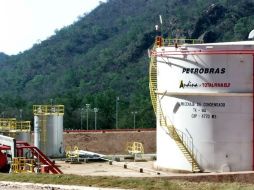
<point>26,22</point>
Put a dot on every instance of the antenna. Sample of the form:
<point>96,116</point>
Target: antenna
<point>161,19</point>
<point>161,24</point>
<point>251,35</point>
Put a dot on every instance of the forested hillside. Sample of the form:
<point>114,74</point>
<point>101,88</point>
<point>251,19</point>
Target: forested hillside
<point>3,57</point>
<point>103,56</point>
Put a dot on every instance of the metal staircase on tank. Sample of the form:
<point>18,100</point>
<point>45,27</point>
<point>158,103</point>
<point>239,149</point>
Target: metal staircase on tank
<point>184,142</point>
<point>43,133</point>
<point>39,155</point>
<point>153,81</point>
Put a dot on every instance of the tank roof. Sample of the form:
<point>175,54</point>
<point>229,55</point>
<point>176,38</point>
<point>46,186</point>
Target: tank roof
<point>48,109</point>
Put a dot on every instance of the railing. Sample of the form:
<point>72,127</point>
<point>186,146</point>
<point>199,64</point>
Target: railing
<point>12,125</point>
<point>170,41</point>
<point>22,165</point>
<point>48,109</point>
<point>23,125</point>
<point>159,41</point>
<point>135,148</point>
<point>153,81</point>
<point>43,133</point>
<point>7,124</point>
<point>184,142</point>
<point>41,157</point>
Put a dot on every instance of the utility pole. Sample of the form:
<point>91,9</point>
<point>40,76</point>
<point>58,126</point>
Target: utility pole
<point>134,119</point>
<point>20,114</point>
<point>117,105</point>
<point>81,118</point>
<point>95,117</point>
<point>87,114</point>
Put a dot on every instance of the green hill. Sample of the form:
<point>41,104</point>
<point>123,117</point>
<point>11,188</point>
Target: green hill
<point>3,57</point>
<point>104,55</point>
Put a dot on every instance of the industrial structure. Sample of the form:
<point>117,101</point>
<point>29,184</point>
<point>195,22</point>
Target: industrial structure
<point>21,162</point>
<point>20,130</point>
<point>48,129</point>
<point>16,135</point>
<point>202,96</point>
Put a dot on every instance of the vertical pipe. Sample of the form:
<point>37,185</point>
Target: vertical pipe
<point>36,131</point>
<point>252,112</point>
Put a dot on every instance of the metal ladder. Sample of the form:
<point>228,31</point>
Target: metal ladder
<point>43,133</point>
<point>184,143</point>
<point>153,81</point>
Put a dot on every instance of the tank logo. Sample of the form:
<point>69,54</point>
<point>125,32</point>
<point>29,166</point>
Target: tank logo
<point>216,84</point>
<point>204,70</point>
<point>205,84</point>
<point>189,84</point>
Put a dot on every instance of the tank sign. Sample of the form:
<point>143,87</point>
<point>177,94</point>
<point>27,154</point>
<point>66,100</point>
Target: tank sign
<point>205,73</point>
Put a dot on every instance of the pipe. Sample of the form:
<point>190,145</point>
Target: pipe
<point>36,131</point>
<point>253,111</point>
<point>202,52</point>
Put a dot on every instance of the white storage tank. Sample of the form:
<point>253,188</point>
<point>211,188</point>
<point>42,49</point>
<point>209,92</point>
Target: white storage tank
<point>205,91</point>
<point>23,131</point>
<point>48,129</point>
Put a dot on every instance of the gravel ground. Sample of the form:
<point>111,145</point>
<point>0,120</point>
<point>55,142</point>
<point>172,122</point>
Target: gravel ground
<point>119,169</point>
<point>31,186</point>
<point>88,169</point>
